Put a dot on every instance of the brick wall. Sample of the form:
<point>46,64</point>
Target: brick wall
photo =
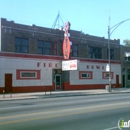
<point>10,30</point>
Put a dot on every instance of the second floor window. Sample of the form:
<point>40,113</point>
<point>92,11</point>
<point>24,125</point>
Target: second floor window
<point>54,48</point>
<point>127,56</point>
<point>21,45</point>
<point>111,54</point>
<point>74,50</point>
<point>44,47</point>
<point>95,52</point>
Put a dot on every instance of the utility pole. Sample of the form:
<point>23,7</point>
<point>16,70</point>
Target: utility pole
<point>109,53</point>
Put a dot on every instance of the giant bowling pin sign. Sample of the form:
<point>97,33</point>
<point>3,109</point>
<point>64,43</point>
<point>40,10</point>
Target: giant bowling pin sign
<point>66,42</point>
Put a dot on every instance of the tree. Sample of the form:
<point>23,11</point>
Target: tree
<point>126,42</point>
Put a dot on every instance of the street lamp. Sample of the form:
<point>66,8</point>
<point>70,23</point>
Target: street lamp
<point>110,31</point>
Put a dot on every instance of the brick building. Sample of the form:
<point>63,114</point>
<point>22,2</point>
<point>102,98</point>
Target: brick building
<point>29,51</point>
<point>125,63</point>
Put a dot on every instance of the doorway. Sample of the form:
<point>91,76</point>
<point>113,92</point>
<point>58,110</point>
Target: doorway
<point>117,80</point>
<point>57,80</point>
<point>8,83</point>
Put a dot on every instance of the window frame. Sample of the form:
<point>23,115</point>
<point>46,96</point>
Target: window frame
<point>23,43</point>
<point>45,49</point>
<point>94,52</point>
<point>86,72</point>
<point>74,50</point>
<point>28,72</point>
<point>112,56</point>
<point>104,77</point>
<point>19,74</point>
<point>54,48</point>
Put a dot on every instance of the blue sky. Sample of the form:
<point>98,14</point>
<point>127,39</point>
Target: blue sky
<point>88,16</point>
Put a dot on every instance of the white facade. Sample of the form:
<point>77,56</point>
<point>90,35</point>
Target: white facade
<point>10,65</point>
<point>90,73</point>
<point>97,70</point>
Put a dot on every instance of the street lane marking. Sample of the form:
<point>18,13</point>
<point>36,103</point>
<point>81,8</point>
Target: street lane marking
<point>48,104</point>
<point>68,102</point>
<point>11,108</point>
<point>70,109</point>
<point>58,114</point>
<point>111,128</point>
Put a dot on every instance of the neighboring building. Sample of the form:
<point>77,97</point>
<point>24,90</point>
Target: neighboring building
<point>125,63</point>
<point>31,58</point>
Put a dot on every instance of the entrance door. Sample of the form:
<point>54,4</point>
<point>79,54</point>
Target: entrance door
<point>123,80</point>
<point>8,83</point>
<point>57,82</point>
<point>117,80</point>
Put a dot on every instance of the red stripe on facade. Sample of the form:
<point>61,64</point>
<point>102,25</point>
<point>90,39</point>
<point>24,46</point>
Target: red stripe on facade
<point>32,89</point>
<point>33,56</point>
<point>17,55</point>
<point>25,89</point>
<point>67,86</point>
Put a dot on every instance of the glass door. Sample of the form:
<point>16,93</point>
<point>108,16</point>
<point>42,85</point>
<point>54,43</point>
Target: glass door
<point>57,82</point>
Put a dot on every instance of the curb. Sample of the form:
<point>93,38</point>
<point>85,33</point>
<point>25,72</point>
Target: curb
<point>56,96</point>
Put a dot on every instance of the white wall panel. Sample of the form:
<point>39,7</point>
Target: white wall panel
<point>19,65</point>
<point>97,70</point>
<point>2,63</point>
<point>6,71</point>
<point>48,82</point>
<point>46,74</point>
<point>2,75</point>
<point>25,82</point>
<point>74,75</point>
<point>2,83</point>
<point>14,74</point>
<point>17,82</point>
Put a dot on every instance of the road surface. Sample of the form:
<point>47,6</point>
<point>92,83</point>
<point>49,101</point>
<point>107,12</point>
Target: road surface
<point>96,112</point>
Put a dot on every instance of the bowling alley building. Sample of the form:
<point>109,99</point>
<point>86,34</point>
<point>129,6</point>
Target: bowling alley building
<point>31,60</point>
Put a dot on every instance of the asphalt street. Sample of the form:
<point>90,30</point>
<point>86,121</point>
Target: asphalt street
<point>95,112</point>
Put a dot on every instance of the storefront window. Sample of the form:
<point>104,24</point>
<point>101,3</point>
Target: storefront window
<point>28,74</point>
<point>85,75</point>
<point>105,75</point>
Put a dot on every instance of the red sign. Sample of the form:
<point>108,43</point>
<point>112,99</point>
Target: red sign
<point>66,48</point>
<point>66,42</point>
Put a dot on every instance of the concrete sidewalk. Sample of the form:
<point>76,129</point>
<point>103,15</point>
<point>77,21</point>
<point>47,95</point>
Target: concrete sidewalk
<point>53,94</point>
